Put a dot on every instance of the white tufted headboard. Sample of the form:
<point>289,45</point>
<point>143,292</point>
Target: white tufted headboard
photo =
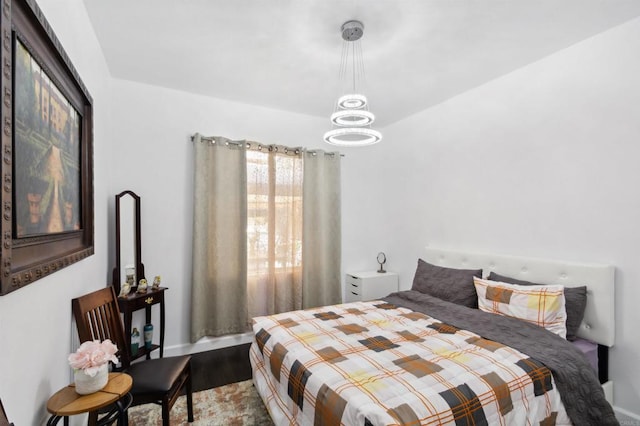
<point>598,324</point>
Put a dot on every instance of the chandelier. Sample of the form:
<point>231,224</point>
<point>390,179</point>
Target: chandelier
<point>351,118</point>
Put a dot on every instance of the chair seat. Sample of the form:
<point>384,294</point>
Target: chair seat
<point>158,374</point>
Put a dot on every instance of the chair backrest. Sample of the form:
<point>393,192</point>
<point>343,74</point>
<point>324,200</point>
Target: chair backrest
<point>98,318</point>
<point>4,421</point>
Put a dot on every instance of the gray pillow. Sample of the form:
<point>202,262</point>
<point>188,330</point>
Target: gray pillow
<point>452,285</point>
<point>575,302</point>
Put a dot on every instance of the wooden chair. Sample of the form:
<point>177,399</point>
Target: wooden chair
<point>158,380</point>
<point>4,421</point>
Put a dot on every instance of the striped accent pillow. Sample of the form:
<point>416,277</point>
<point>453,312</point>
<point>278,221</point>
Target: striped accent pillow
<point>542,305</point>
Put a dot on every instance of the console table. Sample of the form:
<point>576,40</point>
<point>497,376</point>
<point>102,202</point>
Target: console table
<point>66,402</point>
<point>136,301</point>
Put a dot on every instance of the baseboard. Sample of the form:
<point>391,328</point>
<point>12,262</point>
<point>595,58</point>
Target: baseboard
<point>626,418</point>
<point>608,391</point>
<point>208,344</point>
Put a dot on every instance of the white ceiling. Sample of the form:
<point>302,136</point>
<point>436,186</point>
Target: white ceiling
<point>285,54</point>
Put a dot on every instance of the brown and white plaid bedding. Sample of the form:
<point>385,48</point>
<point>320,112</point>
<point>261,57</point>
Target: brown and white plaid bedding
<point>376,363</point>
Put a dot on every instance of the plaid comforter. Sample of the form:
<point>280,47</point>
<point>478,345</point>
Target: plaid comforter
<point>375,363</point>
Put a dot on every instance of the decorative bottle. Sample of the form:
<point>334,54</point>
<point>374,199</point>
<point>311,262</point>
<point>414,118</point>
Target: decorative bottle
<point>135,341</point>
<point>148,335</point>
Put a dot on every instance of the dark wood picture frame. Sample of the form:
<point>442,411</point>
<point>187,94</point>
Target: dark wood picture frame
<point>27,257</point>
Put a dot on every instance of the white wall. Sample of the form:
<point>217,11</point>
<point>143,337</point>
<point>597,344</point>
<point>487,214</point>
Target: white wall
<point>152,156</point>
<point>542,162</point>
<point>35,322</point>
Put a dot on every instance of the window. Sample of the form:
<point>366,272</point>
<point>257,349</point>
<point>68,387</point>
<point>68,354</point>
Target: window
<point>274,212</point>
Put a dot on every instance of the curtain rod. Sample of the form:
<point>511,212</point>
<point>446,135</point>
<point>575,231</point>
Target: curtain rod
<point>268,147</point>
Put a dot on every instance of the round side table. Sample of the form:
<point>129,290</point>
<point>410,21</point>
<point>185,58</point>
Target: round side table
<point>66,402</point>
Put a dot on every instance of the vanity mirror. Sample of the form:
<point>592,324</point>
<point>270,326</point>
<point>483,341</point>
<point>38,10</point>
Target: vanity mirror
<point>127,275</point>
<point>129,268</point>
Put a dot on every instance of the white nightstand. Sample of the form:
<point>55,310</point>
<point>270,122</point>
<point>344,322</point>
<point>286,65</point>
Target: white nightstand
<point>369,285</point>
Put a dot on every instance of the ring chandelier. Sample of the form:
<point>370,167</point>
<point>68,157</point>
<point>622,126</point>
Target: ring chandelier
<point>351,118</point>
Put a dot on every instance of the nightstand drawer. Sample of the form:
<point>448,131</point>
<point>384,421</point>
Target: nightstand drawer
<point>353,289</point>
<point>369,285</point>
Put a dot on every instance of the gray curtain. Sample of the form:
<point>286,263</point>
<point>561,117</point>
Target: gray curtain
<point>289,259</point>
<point>321,230</point>
<point>219,280</point>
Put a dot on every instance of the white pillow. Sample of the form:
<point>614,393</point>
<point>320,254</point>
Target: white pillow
<point>542,305</point>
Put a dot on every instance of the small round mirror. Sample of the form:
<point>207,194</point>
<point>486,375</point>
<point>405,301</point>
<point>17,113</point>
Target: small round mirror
<point>382,259</point>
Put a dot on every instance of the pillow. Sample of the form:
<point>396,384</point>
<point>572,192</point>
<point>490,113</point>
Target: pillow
<point>540,305</point>
<point>452,285</point>
<point>575,302</point>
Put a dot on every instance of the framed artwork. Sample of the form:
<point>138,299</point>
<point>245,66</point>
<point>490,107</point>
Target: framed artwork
<point>47,151</point>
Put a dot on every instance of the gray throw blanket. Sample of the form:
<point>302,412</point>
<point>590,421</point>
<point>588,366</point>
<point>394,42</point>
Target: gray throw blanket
<point>580,390</point>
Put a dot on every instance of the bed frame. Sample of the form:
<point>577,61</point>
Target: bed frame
<point>598,324</point>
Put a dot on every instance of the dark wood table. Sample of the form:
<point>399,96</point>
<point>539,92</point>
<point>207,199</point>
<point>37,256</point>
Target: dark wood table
<point>136,301</point>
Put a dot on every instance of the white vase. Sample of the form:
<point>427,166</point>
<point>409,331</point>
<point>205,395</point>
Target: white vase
<point>86,384</point>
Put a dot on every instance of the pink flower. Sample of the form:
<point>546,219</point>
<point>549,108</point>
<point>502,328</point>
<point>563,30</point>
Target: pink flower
<point>91,355</point>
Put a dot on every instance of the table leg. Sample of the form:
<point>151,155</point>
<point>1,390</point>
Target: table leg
<point>162,327</point>
<point>127,327</point>
<point>119,413</point>
<point>53,420</point>
<point>123,405</point>
<point>93,418</point>
<point>147,317</point>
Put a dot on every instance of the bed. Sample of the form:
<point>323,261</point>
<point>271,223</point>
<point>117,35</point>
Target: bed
<point>413,358</point>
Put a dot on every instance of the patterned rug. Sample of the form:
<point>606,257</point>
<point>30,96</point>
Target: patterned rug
<point>236,404</point>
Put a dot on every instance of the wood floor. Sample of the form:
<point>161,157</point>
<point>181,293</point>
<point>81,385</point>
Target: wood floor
<point>220,367</point>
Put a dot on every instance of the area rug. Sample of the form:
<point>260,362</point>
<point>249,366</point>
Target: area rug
<point>231,405</point>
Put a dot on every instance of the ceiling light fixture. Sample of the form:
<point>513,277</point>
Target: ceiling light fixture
<point>351,117</point>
